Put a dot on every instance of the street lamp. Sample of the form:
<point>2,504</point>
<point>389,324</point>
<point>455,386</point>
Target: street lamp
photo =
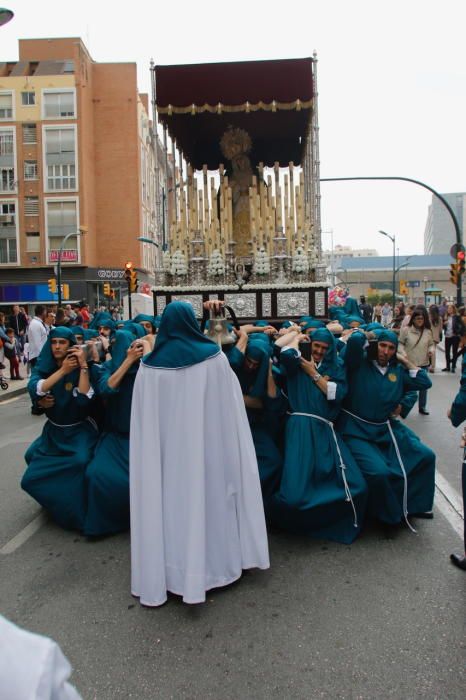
<point>343,269</point>
<point>5,15</point>
<point>80,232</point>
<point>144,239</point>
<point>392,238</point>
<point>403,265</point>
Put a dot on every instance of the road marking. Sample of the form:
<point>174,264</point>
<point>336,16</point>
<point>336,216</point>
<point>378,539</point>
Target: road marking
<point>25,534</point>
<point>450,493</point>
<point>15,398</point>
<point>448,502</point>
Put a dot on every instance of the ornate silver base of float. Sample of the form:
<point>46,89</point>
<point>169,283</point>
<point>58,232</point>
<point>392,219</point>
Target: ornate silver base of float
<point>253,301</point>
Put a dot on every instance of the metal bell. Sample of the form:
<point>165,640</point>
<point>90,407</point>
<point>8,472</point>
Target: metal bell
<point>218,328</point>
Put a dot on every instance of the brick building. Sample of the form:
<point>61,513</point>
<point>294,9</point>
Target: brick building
<point>77,152</point>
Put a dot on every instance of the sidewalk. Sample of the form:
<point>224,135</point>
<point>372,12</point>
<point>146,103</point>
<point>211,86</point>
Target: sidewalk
<point>15,388</point>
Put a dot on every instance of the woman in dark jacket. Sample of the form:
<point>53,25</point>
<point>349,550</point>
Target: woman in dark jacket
<point>453,330</point>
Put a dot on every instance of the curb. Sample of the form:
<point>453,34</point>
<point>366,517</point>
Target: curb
<point>5,396</point>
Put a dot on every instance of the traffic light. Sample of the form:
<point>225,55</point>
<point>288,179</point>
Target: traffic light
<point>460,262</point>
<point>113,293</point>
<point>66,291</point>
<point>131,277</point>
<point>454,273</point>
<point>107,291</point>
<point>52,285</point>
<point>134,281</point>
<point>404,288</point>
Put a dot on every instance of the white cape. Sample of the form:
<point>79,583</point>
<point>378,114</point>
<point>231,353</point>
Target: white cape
<point>32,667</point>
<point>197,518</point>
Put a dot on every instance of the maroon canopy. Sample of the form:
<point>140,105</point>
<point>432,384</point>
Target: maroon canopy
<point>271,100</point>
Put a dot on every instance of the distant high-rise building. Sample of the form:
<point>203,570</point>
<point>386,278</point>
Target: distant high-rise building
<point>439,233</point>
<point>77,149</point>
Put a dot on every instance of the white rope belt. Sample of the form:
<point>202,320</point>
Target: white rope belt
<point>342,465</point>
<point>398,455</point>
<point>68,425</point>
<point>73,425</point>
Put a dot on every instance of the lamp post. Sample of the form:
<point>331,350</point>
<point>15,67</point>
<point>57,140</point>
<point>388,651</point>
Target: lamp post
<point>392,238</point>
<point>5,15</point>
<point>144,239</point>
<point>405,264</point>
<point>458,233</point>
<point>80,232</point>
<point>345,280</point>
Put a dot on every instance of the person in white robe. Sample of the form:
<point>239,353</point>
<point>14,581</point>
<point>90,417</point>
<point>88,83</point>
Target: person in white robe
<point>197,518</point>
<point>32,667</point>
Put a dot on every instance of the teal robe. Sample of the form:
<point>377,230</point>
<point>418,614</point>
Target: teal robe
<point>265,423</point>
<point>458,415</point>
<point>58,458</point>
<point>107,476</point>
<point>373,397</point>
<point>313,498</point>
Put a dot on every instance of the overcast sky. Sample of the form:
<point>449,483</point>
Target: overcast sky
<point>392,85</point>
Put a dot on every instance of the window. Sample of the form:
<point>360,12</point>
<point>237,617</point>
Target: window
<point>33,242</point>
<point>61,177</point>
<point>8,245</point>
<point>59,105</point>
<point>6,143</point>
<point>8,250</point>
<point>30,169</point>
<point>62,219</point>
<point>28,99</point>
<point>6,105</point>
<point>60,158</point>
<point>7,160</point>
<point>59,142</point>
<point>29,133</point>
<point>7,179</point>
<point>31,206</point>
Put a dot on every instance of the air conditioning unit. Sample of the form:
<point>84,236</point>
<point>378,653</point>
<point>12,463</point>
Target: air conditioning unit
<point>7,219</point>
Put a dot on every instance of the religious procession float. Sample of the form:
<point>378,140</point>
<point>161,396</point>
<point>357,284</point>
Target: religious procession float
<point>242,209</point>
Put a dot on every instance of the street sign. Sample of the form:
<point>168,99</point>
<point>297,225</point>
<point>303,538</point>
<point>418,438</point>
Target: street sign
<point>413,283</point>
<point>67,255</point>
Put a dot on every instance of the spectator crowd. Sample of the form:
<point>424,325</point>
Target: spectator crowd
<point>22,336</point>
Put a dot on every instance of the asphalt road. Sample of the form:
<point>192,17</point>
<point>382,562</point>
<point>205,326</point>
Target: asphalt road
<point>382,618</point>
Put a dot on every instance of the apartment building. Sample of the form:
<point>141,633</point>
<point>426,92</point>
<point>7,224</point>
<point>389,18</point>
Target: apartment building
<point>77,162</point>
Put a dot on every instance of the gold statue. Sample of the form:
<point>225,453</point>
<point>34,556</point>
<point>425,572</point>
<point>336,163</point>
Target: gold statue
<point>235,145</point>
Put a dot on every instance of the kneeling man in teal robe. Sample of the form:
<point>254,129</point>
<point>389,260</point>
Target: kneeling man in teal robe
<point>57,460</point>
<point>322,492</point>
<point>107,476</point>
<point>398,467</point>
